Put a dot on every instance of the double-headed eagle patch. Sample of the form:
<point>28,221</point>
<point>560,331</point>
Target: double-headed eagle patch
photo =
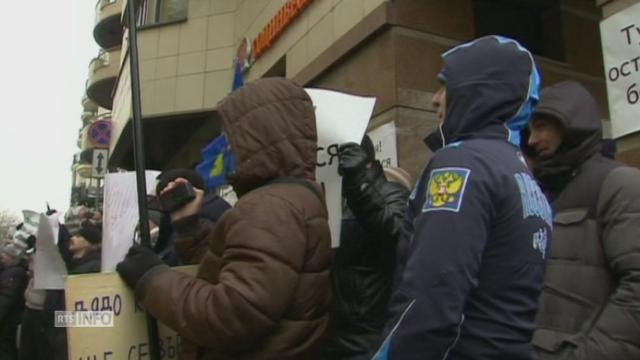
<point>446,189</point>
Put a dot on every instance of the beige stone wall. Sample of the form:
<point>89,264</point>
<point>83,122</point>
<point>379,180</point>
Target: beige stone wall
<point>318,26</point>
<point>187,66</point>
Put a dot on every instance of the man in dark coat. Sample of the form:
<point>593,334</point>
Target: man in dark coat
<point>13,282</point>
<point>590,305</point>
<point>362,268</point>
<point>81,254</point>
<point>472,256</point>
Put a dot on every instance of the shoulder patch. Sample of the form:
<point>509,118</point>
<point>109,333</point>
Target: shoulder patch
<point>445,189</point>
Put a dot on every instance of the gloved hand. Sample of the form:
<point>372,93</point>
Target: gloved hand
<point>353,159</point>
<point>138,261</point>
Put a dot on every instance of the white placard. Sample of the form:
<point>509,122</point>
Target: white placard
<point>620,35</point>
<point>48,267</point>
<point>120,215</point>
<point>384,142</point>
<point>340,118</point>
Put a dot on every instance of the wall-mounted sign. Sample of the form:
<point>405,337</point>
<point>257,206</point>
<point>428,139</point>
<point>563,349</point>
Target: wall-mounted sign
<point>621,51</point>
<point>99,163</point>
<point>384,143</point>
<point>285,16</point>
<point>100,133</point>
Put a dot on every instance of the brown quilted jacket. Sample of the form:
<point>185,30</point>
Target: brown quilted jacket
<point>262,289</point>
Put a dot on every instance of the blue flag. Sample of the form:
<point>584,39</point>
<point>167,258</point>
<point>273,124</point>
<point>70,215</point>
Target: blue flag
<point>238,76</point>
<point>218,163</point>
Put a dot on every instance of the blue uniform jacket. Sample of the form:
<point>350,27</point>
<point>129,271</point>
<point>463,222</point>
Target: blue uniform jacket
<point>471,261</point>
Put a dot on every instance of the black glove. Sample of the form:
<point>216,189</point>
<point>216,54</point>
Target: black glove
<point>353,159</point>
<point>138,261</point>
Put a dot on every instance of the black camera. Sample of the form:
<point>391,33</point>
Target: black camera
<point>177,197</point>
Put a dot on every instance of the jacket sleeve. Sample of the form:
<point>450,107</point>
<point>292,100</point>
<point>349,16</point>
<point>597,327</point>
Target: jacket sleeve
<point>441,269</point>
<point>192,238</point>
<point>11,290</point>
<point>261,262</point>
<point>615,332</point>
<point>64,240</point>
<point>378,205</point>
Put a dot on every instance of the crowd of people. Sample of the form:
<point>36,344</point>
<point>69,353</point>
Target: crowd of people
<point>520,240</point>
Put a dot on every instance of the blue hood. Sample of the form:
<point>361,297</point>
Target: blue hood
<point>492,86</point>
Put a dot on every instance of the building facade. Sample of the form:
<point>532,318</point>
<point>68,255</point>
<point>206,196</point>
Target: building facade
<point>389,49</point>
<point>94,135</point>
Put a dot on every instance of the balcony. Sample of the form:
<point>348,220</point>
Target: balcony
<point>88,104</point>
<point>103,71</point>
<point>108,29</point>
<point>87,117</point>
<point>83,170</point>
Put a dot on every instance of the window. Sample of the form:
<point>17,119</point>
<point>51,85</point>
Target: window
<point>162,11</point>
<point>537,24</point>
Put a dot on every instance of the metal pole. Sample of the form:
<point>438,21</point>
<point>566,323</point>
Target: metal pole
<point>138,157</point>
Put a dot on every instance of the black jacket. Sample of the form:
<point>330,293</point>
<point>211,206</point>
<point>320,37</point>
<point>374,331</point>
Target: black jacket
<point>89,263</point>
<point>363,265</point>
<point>13,282</point>
<point>589,308</point>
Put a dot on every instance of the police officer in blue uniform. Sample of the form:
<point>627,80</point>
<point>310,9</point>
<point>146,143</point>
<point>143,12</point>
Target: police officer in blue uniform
<point>471,261</point>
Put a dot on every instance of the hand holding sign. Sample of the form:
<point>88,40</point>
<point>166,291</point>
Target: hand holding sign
<point>340,118</point>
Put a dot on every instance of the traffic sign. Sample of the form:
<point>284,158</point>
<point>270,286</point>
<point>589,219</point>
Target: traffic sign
<point>100,133</point>
<point>99,164</point>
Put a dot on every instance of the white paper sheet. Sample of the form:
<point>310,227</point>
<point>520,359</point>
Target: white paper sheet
<point>120,215</point>
<point>340,118</point>
<point>620,35</point>
<point>48,266</point>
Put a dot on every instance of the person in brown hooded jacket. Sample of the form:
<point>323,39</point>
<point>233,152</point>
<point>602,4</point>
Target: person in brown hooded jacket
<point>590,303</point>
<point>262,289</point>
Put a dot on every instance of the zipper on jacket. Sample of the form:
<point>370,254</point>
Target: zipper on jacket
<point>385,344</point>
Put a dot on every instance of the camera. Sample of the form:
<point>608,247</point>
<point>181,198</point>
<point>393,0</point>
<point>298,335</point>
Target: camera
<point>177,197</point>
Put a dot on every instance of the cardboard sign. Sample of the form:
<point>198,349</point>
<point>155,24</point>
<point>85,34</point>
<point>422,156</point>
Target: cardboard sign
<point>120,215</point>
<point>384,142</point>
<point>620,35</point>
<point>340,118</point>
<point>128,338</point>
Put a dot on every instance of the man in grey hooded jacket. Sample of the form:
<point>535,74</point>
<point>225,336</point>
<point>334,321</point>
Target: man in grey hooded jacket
<point>590,305</point>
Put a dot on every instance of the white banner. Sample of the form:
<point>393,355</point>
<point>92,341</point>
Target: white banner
<point>120,215</point>
<point>340,118</point>
<point>620,35</point>
<point>48,267</point>
<point>384,142</point>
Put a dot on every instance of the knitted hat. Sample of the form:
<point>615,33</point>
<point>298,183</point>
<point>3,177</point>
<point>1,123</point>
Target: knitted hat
<point>72,220</point>
<point>13,251</point>
<point>90,232</point>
